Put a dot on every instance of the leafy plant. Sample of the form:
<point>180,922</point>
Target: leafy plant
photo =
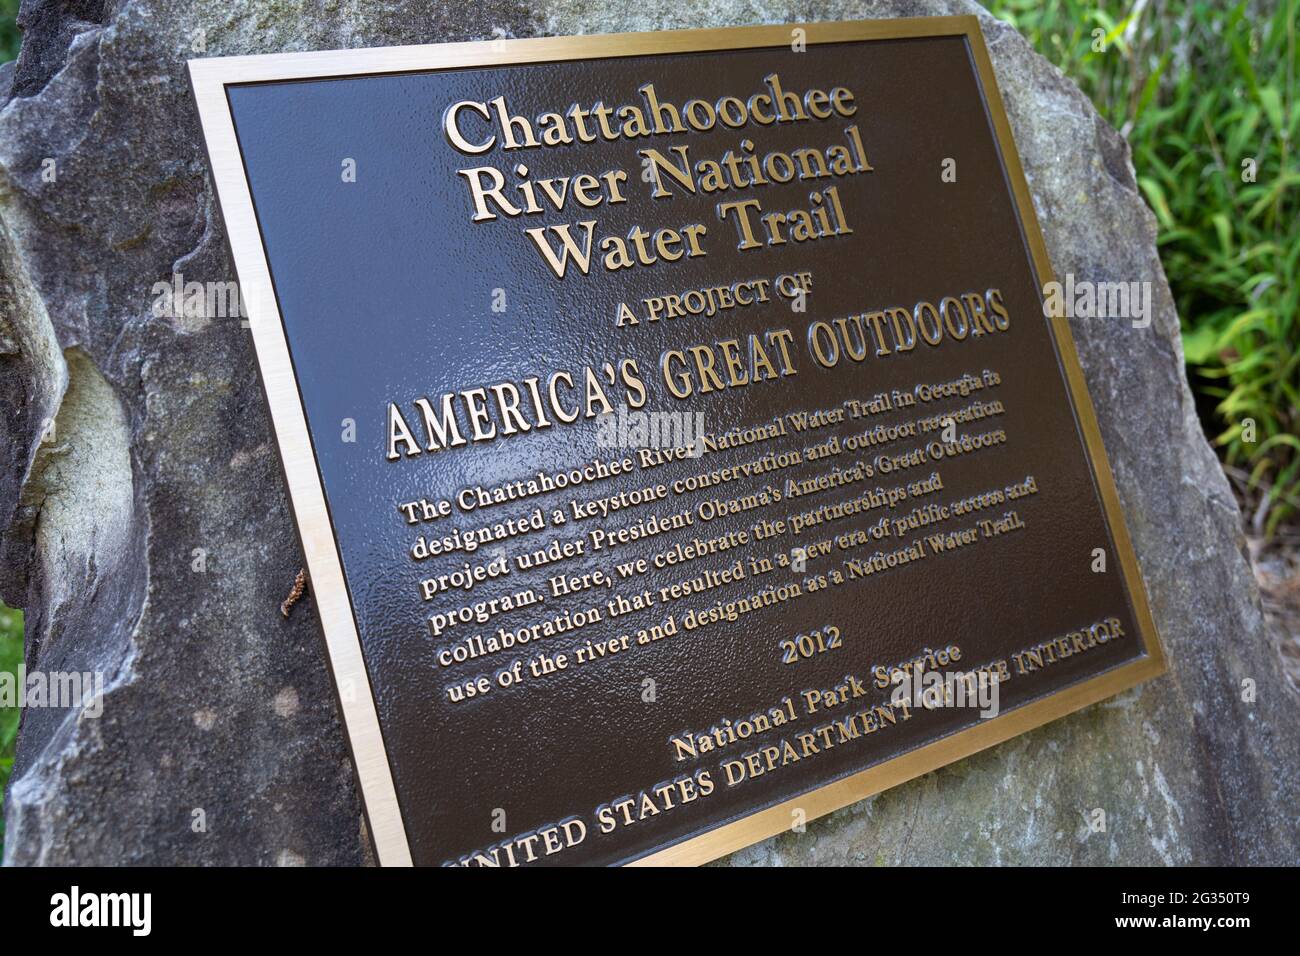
<point>9,36</point>
<point>11,655</point>
<point>1206,94</point>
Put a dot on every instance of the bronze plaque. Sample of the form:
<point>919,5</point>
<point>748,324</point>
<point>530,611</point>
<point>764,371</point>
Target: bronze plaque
<point>678,443</point>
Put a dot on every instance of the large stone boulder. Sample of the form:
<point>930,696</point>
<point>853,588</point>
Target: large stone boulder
<point>147,535</point>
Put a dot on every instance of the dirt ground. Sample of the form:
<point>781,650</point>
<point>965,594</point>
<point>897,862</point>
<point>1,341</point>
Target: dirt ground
<point>1277,569</point>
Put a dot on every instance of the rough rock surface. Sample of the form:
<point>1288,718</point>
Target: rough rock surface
<point>148,537</point>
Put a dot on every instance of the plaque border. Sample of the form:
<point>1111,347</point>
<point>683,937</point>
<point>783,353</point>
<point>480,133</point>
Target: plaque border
<point>209,78</point>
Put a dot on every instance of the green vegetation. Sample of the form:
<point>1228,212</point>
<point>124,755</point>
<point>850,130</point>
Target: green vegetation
<point>1205,92</point>
<point>8,30</point>
<point>11,655</point>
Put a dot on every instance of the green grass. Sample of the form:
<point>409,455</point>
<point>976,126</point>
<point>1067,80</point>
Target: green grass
<point>1200,88</point>
<point>11,655</point>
